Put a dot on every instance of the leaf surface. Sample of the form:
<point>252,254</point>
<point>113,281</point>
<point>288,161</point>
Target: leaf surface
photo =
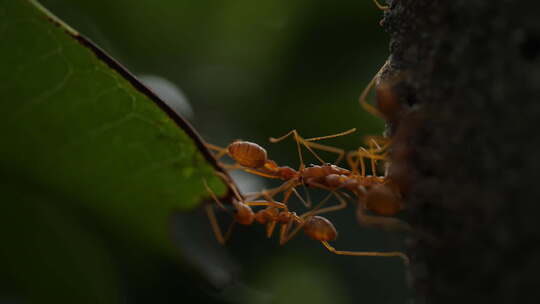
<point>86,151</point>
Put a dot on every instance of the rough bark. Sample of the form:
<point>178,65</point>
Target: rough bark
<point>466,148</point>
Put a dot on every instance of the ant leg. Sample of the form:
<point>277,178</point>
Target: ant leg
<point>380,222</point>
<point>287,195</point>
<point>284,238</point>
<point>287,237</point>
<point>402,255</point>
<point>363,153</point>
<point>297,139</point>
<point>282,188</point>
<point>362,163</point>
<point>229,231</point>
<point>229,167</point>
<point>373,167</point>
<point>270,228</point>
<point>283,232</point>
<point>380,6</point>
<point>318,210</point>
<point>306,203</point>
<point>342,204</point>
<point>212,217</point>
<point>221,151</point>
<point>215,226</point>
<point>222,239</point>
<point>339,152</point>
<point>256,172</point>
<point>213,195</point>
<point>292,190</point>
<point>270,198</point>
<point>272,224</point>
<point>309,142</point>
<point>231,185</point>
<point>372,140</point>
<point>353,163</point>
<point>374,146</point>
<point>268,204</point>
<point>363,97</point>
<point>332,135</point>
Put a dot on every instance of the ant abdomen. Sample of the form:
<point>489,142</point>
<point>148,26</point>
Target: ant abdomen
<point>334,181</point>
<point>387,101</point>
<point>248,154</point>
<point>383,200</point>
<point>320,229</point>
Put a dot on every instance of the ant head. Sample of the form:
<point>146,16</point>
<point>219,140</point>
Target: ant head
<point>333,180</point>
<point>244,214</point>
<point>320,229</point>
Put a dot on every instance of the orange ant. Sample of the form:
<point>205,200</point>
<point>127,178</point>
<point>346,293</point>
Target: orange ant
<point>253,158</point>
<point>375,193</point>
<point>249,155</point>
<point>387,100</point>
<point>316,227</point>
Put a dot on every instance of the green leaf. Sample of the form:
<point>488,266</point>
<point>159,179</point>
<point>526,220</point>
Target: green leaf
<point>86,151</point>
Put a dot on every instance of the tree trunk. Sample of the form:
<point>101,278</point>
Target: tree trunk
<point>465,148</point>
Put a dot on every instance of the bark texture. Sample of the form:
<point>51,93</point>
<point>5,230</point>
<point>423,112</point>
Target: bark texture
<point>467,148</point>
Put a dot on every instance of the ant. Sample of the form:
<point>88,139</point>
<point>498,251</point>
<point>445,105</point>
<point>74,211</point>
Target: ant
<point>250,156</point>
<point>375,193</point>
<point>314,226</point>
<point>388,102</point>
<point>253,158</point>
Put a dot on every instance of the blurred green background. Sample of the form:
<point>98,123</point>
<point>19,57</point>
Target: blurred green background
<point>251,70</point>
